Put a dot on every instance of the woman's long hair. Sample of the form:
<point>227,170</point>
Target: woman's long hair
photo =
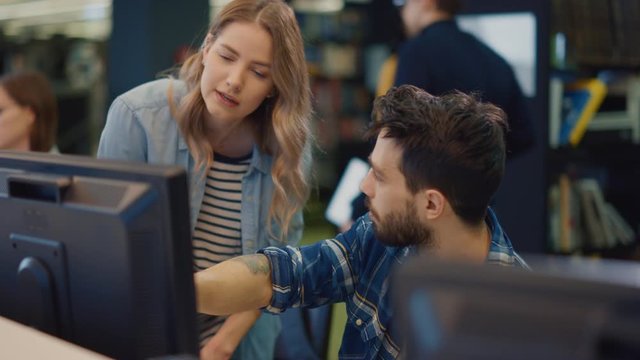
<point>281,123</point>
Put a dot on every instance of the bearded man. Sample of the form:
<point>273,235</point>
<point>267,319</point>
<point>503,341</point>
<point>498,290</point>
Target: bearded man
<point>435,166</point>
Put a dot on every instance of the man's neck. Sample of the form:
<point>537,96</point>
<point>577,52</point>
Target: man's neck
<point>454,240</point>
<point>432,17</point>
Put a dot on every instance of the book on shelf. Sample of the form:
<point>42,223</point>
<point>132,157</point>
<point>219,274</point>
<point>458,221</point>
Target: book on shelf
<point>556,89</point>
<point>579,217</point>
<point>565,228</point>
<point>597,226</point>
<point>580,102</point>
<point>621,229</point>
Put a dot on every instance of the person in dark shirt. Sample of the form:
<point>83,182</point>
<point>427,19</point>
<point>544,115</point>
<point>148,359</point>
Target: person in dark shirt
<point>439,58</point>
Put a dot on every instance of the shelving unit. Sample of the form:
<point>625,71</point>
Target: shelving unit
<point>344,51</point>
<point>627,119</point>
<point>608,156</point>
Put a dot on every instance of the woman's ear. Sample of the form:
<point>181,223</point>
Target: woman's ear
<point>208,40</point>
<point>29,115</point>
<point>206,45</point>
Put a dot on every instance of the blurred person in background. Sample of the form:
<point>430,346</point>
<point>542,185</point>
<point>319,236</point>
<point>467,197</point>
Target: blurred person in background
<point>439,57</point>
<point>28,112</point>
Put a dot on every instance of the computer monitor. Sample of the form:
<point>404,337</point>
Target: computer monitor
<point>564,309</point>
<point>98,253</point>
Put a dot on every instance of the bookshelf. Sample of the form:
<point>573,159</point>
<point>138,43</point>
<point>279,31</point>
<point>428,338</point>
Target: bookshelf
<point>593,201</point>
<point>344,51</point>
<point>574,43</point>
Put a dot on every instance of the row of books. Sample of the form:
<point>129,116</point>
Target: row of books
<point>346,26</point>
<point>334,60</point>
<point>581,218</point>
<point>600,33</point>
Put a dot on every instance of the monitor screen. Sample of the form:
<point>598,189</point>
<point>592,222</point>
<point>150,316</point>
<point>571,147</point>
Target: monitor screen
<point>561,310</point>
<point>98,253</point>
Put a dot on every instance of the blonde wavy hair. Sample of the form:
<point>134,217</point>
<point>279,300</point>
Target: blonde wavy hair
<point>281,123</point>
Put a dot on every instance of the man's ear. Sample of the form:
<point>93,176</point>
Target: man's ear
<point>433,203</point>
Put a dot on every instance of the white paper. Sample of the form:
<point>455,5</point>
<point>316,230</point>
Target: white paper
<point>339,209</point>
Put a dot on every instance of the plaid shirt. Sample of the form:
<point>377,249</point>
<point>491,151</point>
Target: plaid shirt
<point>355,268</point>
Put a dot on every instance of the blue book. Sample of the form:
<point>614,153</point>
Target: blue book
<point>580,103</point>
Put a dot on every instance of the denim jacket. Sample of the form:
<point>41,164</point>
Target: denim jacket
<point>140,128</point>
<point>355,268</point>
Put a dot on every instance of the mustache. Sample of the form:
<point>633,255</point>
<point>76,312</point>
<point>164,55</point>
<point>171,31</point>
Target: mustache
<point>367,203</point>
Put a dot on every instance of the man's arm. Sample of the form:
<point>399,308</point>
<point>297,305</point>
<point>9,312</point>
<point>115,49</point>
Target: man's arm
<point>239,284</point>
<point>225,342</point>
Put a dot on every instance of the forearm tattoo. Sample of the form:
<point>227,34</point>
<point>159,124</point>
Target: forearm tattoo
<point>257,264</point>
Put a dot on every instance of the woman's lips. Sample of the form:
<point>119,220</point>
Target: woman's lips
<point>227,99</point>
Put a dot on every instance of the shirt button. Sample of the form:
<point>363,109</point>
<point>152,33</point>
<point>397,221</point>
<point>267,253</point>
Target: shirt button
<point>358,322</point>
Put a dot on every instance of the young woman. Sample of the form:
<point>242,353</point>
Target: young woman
<point>238,119</point>
<point>28,112</point>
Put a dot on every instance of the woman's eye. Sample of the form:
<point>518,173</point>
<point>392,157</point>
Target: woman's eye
<point>225,57</point>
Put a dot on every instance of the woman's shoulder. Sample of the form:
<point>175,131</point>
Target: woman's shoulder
<point>153,94</point>
<point>147,105</point>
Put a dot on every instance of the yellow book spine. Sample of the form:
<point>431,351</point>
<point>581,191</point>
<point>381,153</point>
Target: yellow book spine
<point>598,90</point>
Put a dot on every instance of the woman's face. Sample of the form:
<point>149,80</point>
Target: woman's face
<point>15,123</point>
<point>237,72</point>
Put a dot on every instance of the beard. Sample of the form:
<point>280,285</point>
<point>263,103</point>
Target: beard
<point>401,228</point>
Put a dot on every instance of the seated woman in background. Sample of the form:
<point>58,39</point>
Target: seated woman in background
<point>28,112</point>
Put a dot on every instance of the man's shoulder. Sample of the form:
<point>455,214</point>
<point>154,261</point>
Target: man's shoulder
<point>362,229</point>
<point>501,249</point>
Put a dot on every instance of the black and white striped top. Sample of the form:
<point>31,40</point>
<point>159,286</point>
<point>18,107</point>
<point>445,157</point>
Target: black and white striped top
<point>217,235</point>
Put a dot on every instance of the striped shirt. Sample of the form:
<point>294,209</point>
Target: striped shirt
<point>217,235</point>
<point>355,268</point>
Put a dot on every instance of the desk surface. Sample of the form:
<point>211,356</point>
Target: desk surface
<point>22,342</point>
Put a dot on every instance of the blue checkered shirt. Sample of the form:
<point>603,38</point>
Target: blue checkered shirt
<point>355,268</point>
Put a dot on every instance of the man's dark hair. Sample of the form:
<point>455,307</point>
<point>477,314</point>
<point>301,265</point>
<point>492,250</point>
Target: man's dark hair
<point>449,6</point>
<point>453,143</point>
